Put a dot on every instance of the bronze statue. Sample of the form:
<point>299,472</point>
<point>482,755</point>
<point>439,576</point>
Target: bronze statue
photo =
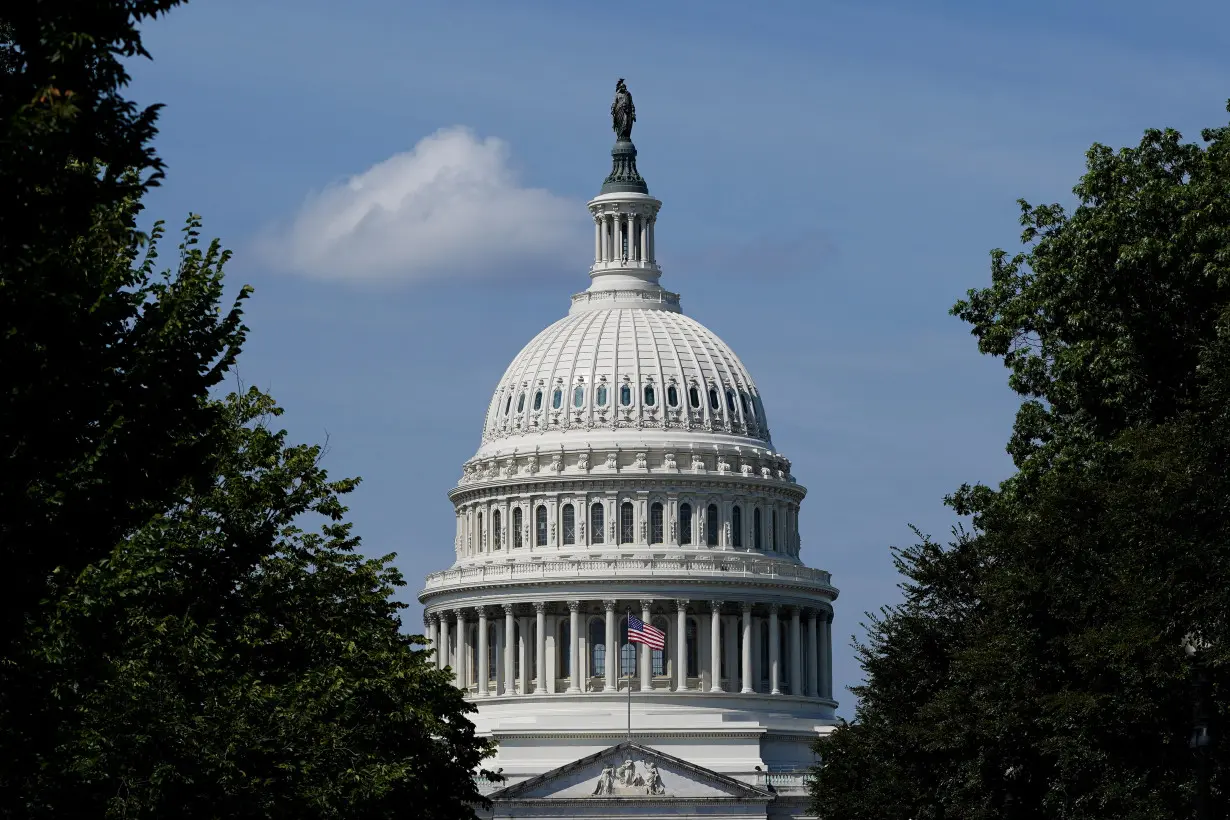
<point>623,112</point>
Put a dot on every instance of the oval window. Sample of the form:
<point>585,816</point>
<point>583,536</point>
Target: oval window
<point>694,396</point>
<point>672,396</point>
<point>743,399</point>
<point>602,395</point>
<point>538,400</point>
<point>714,402</point>
<point>650,398</point>
<point>520,402</point>
<point>625,395</point>
<point>730,401</point>
<point>557,398</point>
<point>578,396</point>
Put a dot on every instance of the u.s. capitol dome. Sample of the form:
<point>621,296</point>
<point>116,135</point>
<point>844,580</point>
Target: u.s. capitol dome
<point>626,468</point>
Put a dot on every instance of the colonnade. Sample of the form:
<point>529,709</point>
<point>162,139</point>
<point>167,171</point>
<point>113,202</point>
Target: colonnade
<point>611,230</point>
<point>729,653</point>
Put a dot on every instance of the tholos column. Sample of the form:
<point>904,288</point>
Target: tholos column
<point>630,255</point>
<point>612,651</point>
<point>715,645</point>
<point>644,245</point>
<point>463,651</point>
<point>681,645</point>
<point>574,646</point>
<point>597,239</point>
<point>646,652</point>
<point>775,652</point>
<point>796,652</point>
<point>747,649</point>
<point>442,659</point>
<point>828,655</point>
<point>433,635</point>
<point>483,657</point>
<point>510,660</point>
<point>540,650</point>
<point>813,654</point>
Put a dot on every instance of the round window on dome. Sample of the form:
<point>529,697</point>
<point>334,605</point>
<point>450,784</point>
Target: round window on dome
<point>557,398</point>
<point>694,396</point>
<point>578,396</point>
<point>538,400</point>
<point>520,402</point>
<point>601,397</point>
<point>625,395</point>
<point>650,396</point>
<point>672,396</point>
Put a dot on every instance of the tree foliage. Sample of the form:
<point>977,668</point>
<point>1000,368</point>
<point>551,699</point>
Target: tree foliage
<point>1035,666</point>
<point>175,638</point>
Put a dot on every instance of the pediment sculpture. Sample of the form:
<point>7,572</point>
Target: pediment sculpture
<point>629,779</point>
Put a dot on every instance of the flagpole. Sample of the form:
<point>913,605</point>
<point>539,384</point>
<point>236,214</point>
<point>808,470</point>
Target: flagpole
<point>628,623</point>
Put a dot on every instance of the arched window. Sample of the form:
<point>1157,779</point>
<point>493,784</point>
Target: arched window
<point>520,402</point>
<point>578,396</point>
<point>743,401</point>
<point>563,644</point>
<point>693,649</point>
<point>711,525</point>
<point>730,401</point>
<point>570,524</point>
<point>756,529</point>
<point>736,526</point>
<point>497,537</point>
<point>597,648</point>
<point>482,534</point>
<point>773,530</point>
<point>713,398</point>
<point>557,398</point>
<point>658,664</point>
<point>625,395</point>
<point>597,523</point>
<point>518,522</point>
<point>655,524</point>
<point>650,396</point>
<point>627,532</point>
<point>540,525</point>
<point>685,523</point>
<point>537,399</point>
<point>601,397</point>
<point>672,396</point>
<point>694,396</point>
<point>508,404</point>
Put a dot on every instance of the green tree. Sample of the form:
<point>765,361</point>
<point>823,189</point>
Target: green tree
<point>1064,692</point>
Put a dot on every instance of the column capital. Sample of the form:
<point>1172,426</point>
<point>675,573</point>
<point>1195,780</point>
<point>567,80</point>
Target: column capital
<point>775,608</point>
<point>646,604</point>
<point>540,607</point>
<point>608,605</point>
<point>482,611</point>
<point>828,617</point>
<point>716,606</point>
<point>681,604</point>
<point>508,609</point>
<point>574,606</point>
<point>432,617</point>
<point>460,612</point>
<point>746,608</point>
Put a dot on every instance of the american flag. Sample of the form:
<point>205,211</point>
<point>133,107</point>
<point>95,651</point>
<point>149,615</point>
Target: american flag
<point>641,632</point>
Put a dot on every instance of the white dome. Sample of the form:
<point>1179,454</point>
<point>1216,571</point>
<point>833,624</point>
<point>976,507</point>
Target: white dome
<point>626,368</point>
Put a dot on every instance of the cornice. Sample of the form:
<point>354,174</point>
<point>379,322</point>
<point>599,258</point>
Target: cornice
<point>641,480</point>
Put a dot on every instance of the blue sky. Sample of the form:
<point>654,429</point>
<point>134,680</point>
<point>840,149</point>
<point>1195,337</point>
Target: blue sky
<point>834,175</point>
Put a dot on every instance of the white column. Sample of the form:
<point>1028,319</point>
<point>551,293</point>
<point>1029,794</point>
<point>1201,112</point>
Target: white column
<point>628,220</point>
<point>731,653</point>
<point>540,650</point>
<point>796,652</point>
<point>715,645</point>
<point>523,639</point>
<point>597,240</point>
<point>813,653</point>
<point>828,655</point>
<point>653,240</point>
<point>612,649</point>
<point>463,677</point>
<point>510,661</point>
<point>607,243</point>
<point>747,649</point>
<point>775,652</point>
<point>644,245</point>
<point>483,670</point>
<point>433,636</point>
<point>646,653</point>
<point>574,646</point>
<point>442,658</point>
<point>681,645</point>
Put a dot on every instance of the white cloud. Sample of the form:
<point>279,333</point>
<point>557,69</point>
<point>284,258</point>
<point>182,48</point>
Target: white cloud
<point>449,207</point>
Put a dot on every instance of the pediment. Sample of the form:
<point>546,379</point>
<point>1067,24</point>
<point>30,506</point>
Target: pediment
<point>630,771</point>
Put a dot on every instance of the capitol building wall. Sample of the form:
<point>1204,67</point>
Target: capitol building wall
<point>626,468</point>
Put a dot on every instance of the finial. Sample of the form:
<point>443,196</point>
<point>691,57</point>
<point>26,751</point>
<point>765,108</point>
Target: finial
<point>624,177</point>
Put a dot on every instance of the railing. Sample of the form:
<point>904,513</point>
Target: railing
<point>795,781</point>
<point>732,567</point>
